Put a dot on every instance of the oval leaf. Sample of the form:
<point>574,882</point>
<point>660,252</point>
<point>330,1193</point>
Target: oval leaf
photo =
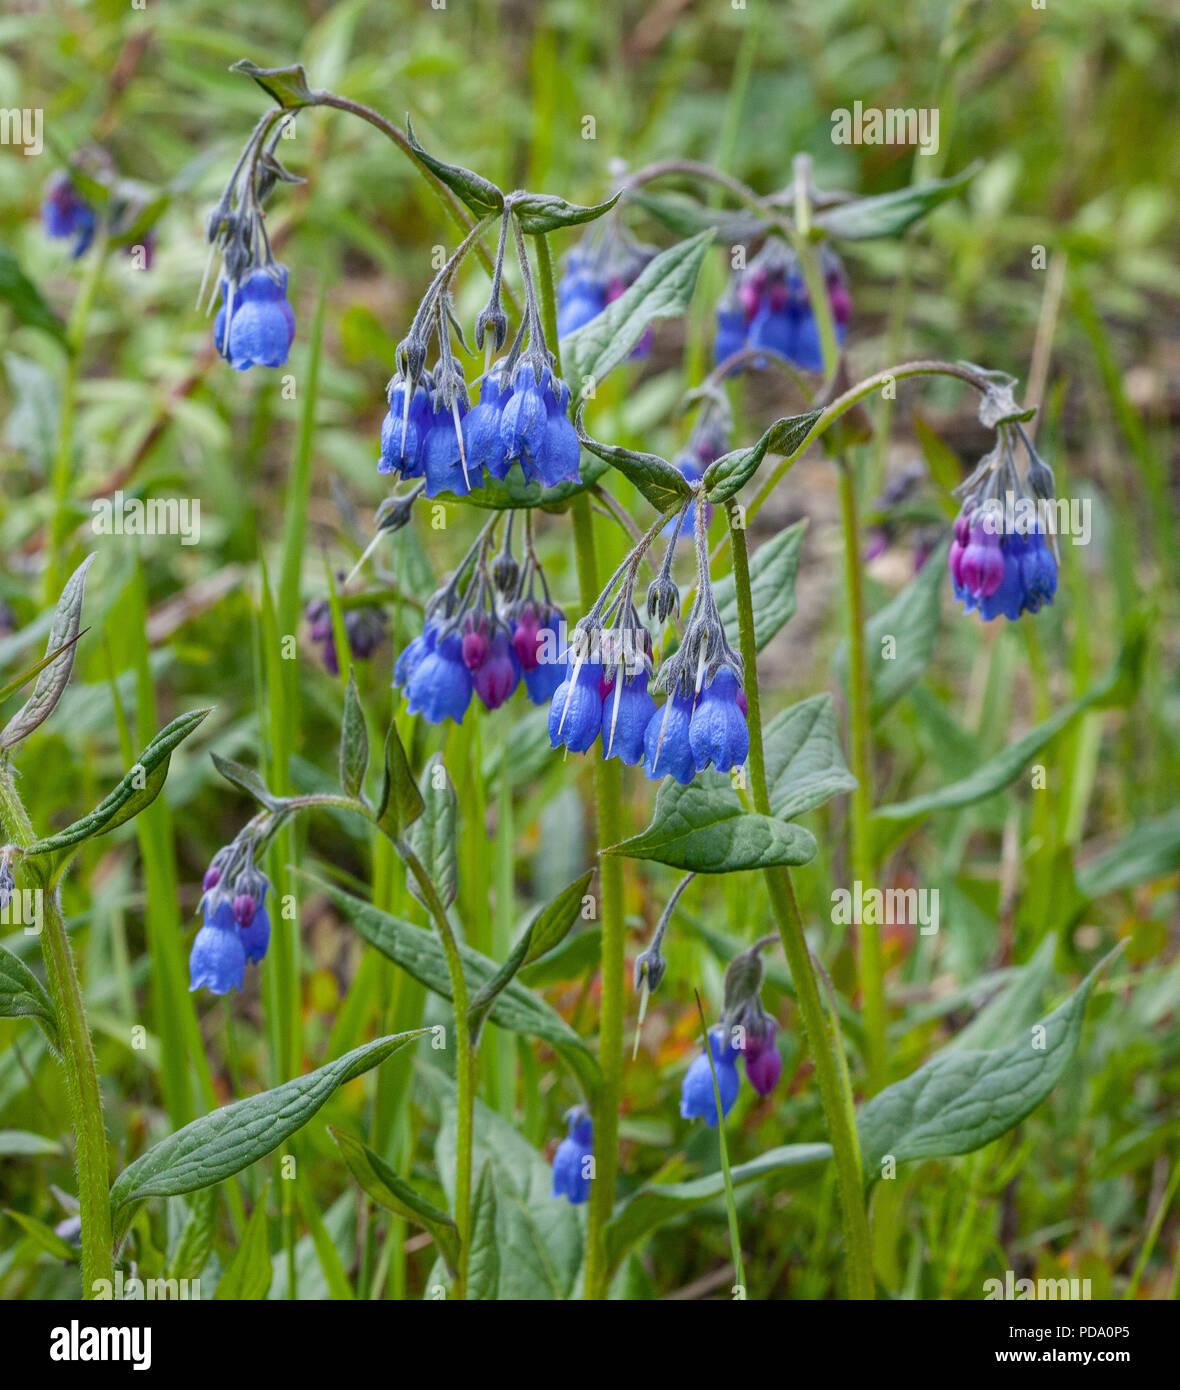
<point>731,472</point>
<point>804,761</point>
<point>538,213</point>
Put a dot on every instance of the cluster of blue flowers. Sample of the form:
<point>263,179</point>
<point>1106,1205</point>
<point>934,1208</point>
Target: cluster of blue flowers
<point>597,271</point>
<point>1001,574</point>
<point>65,213</point>
<point>767,306</point>
<point>746,1030</point>
<point>695,728</point>
<point>1001,559</point>
<point>573,1162</point>
<point>255,325</point>
<point>452,446</point>
<point>501,630</point>
<point>235,926</point>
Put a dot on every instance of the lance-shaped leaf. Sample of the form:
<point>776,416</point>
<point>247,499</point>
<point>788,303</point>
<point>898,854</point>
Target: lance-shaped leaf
<point>997,772</point>
<point>804,761</point>
<point>686,217</point>
<point>664,486</point>
<point>961,1100</point>
<point>25,299</point>
<point>538,213</point>
<point>248,1275</point>
<point>56,676</point>
<point>432,836</point>
<point>354,741</point>
<point>546,929</point>
<point>247,780</point>
<point>662,290</point>
<point>221,1144</point>
<point>392,1191</point>
<point>139,788</point>
<point>889,214</point>
<point>1150,851</point>
<point>656,1203</point>
<point>900,638</point>
<point>288,86</point>
<point>44,1236</point>
<point>789,436</point>
<point>480,194</point>
<point>704,827</point>
<point>22,995</point>
<point>773,567</point>
<point>400,802</point>
<point>419,952</point>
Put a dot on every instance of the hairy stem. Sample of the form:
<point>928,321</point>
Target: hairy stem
<point>77,1057</point>
<point>830,1076</point>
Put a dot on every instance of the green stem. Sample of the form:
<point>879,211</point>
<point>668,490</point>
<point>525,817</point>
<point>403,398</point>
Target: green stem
<point>831,1078</point>
<point>464,1059</point>
<point>871,971</point>
<point>608,785</point>
<point>77,1057</point>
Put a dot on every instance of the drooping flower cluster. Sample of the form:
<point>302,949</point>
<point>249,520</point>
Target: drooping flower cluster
<point>255,324</point>
<point>1002,558</point>
<point>431,430</point>
<point>365,628</point>
<point>573,1162</point>
<point>747,1031</point>
<point>605,694</point>
<point>235,925</point>
<point>65,213</point>
<point>489,627</point>
<point>767,306</point>
<point>606,262</point>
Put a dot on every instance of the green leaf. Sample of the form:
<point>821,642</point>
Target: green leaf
<point>20,1143</point>
<point>432,836</point>
<point>656,1203</point>
<point>354,741</point>
<point>663,290</point>
<point>288,86</point>
<point>246,780</point>
<point>56,676</point>
<point>480,194</point>
<point>420,953</point>
<point>248,1275</point>
<point>773,567</point>
<point>514,493</point>
<point>1150,851</point>
<point>220,1144</point>
<point>12,686</point>
<point>788,436</point>
<point>889,214</point>
<point>392,1191</point>
<point>538,213</point>
<point>961,1100</point>
<point>664,487</point>
<point>539,1238</point>
<point>901,637</point>
<point>804,762</point>
<point>400,803</point>
<point>998,771</point>
<point>483,1264</point>
<point>196,1242</point>
<point>1005,1018</point>
<point>22,995</point>
<point>686,217</point>
<point>25,300</point>
<point>139,788</point>
<point>546,930</point>
<point>704,827</point>
<point>45,1236</point>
